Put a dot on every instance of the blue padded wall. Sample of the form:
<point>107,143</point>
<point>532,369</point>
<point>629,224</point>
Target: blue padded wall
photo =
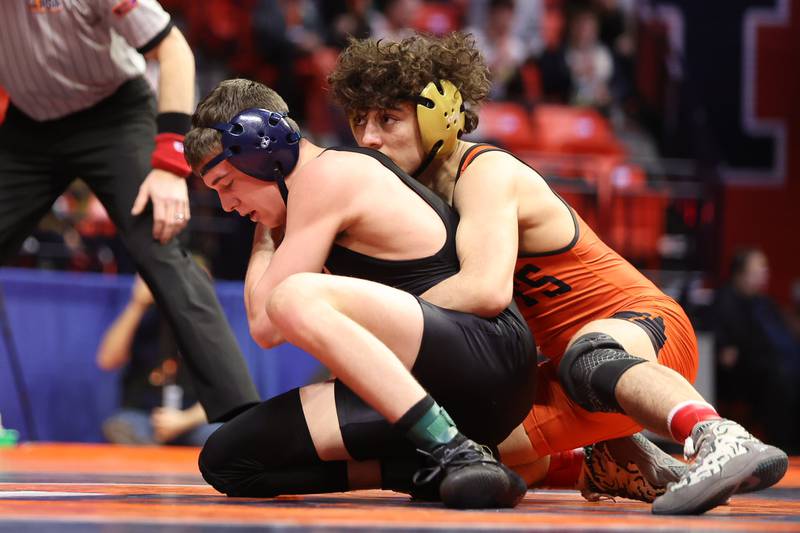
<point>57,320</point>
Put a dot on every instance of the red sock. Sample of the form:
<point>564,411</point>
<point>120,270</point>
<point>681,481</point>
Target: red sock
<point>564,470</point>
<point>684,416</point>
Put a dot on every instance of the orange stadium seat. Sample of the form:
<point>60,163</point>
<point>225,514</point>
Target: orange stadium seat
<point>637,215</point>
<point>3,104</point>
<point>619,205</point>
<point>573,130</point>
<point>506,124</point>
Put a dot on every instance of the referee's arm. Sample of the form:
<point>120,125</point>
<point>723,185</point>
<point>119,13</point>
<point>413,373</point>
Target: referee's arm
<point>165,186</point>
<point>176,79</point>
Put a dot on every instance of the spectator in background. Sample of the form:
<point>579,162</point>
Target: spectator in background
<point>503,50</point>
<point>617,32</point>
<point>158,405</point>
<point>355,19</point>
<point>396,22</point>
<point>526,22</point>
<point>77,234</point>
<point>555,74</point>
<point>757,355</point>
<point>286,32</point>
<point>617,25</point>
<point>589,61</point>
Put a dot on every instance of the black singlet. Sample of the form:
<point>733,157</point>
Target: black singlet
<point>414,276</point>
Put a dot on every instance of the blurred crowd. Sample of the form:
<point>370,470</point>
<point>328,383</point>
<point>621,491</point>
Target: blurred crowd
<point>577,52</point>
<point>581,66</point>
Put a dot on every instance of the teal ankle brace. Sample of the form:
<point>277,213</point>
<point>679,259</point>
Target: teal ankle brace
<point>433,429</point>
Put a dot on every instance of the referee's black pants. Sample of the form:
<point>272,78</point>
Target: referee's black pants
<point>109,146</point>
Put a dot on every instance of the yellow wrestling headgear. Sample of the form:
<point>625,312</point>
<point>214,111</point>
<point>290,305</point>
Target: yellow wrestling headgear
<point>440,114</point>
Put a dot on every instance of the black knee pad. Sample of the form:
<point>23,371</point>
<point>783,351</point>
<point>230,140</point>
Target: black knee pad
<point>590,370</point>
<point>365,432</point>
<point>267,451</point>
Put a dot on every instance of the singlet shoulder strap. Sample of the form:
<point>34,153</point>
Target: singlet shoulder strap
<point>445,212</point>
<point>473,152</point>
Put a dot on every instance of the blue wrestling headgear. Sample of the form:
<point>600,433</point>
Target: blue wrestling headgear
<point>260,143</point>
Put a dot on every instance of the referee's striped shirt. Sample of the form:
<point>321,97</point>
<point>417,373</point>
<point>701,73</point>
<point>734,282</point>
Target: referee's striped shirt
<point>62,56</point>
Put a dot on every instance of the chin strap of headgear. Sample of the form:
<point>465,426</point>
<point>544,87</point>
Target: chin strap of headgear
<point>441,118</point>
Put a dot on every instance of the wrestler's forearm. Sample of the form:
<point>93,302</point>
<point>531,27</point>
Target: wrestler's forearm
<point>486,241</point>
<point>265,333</point>
<point>260,257</point>
<point>255,300</point>
<point>462,293</point>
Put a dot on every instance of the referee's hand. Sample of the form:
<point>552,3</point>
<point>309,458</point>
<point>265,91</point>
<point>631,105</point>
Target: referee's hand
<point>170,197</point>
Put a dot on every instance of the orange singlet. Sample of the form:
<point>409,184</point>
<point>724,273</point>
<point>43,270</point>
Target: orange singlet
<point>559,292</point>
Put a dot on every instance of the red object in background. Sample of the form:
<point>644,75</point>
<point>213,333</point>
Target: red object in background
<point>223,29</point>
<point>313,71</point>
<point>438,19</point>
<point>631,216</point>
<point>531,82</point>
<point>636,216</point>
<point>95,221</point>
<point>767,216</point>
<point>652,78</point>
<point>573,130</point>
<point>3,104</point>
<point>553,24</point>
<point>617,201</point>
<point>218,23</point>
<point>506,124</point>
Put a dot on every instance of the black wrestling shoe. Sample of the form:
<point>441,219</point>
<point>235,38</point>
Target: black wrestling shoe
<point>428,492</point>
<point>469,477</point>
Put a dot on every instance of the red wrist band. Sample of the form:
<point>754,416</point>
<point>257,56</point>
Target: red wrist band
<point>168,154</point>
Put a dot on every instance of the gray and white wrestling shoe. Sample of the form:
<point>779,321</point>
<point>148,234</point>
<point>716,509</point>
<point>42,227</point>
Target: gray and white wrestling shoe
<point>726,460</point>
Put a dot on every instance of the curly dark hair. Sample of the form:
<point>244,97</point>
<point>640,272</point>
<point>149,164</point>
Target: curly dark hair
<point>374,74</point>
